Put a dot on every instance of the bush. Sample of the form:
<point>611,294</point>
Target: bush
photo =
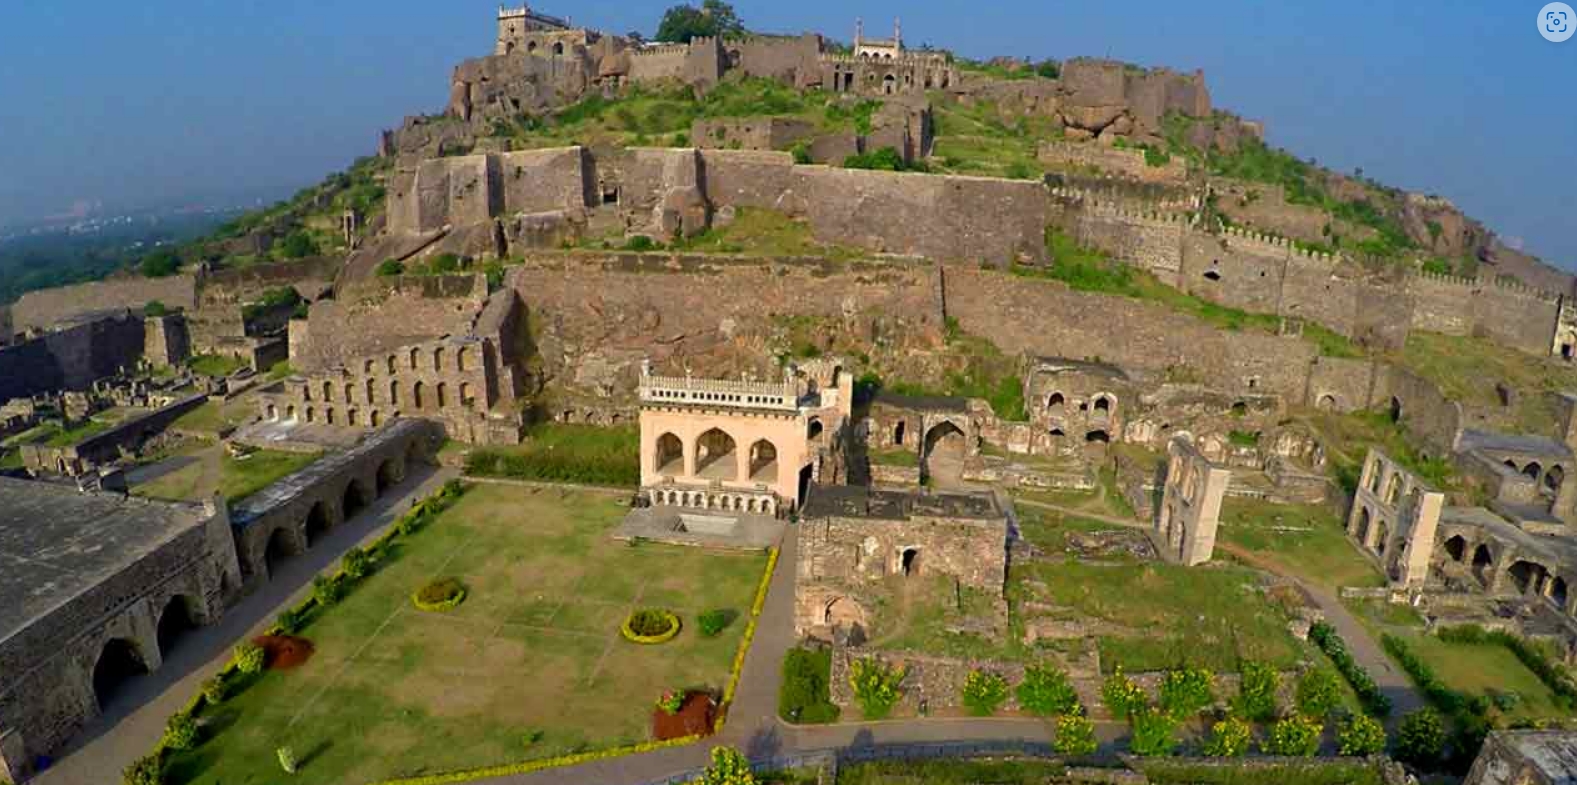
<point>1443,697</point>
<point>389,268</point>
<point>327,590</point>
<point>298,244</point>
<point>1421,738</point>
<point>160,264</point>
<point>287,759</point>
<point>641,244</point>
<point>728,767</point>
<point>154,308</point>
<point>143,771</point>
<point>1154,732</point>
<point>1295,737</point>
<point>1228,738</point>
<point>216,689</point>
<point>649,622</point>
<point>671,702</point>
<point>806,693</point>
<point>439,595</point>
<point>290,620</point>
<point>1318,693</point>
<point>1360,735</point>
<point>877,687</point>
<point>713,622</point>
<point>984,692</point>
<point>1375,702</point>
<point>1186,691</point>
<point>1045,691</point>
<point>356,563</point>
<point>1122,697</point>
<point>1075,736</point>
<point>885,159</point>
<point>180,732</point>
<point>1256,700</point>
<point>248,658</point>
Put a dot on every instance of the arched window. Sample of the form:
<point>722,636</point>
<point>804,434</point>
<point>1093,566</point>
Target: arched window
<point>558,48</point>
<point>461,357</point>
<point>370,397</point>
<point>443,394</point>
<point>438,359</point>
<point>394,393</point>
<point>391,363</point>
<point>366,367</point>
<point>1056,403</point>
<point>350,392</point>
<point>413,359</point>
<point>416,395</point>
<point>328,392</point>
<point>465,394</point>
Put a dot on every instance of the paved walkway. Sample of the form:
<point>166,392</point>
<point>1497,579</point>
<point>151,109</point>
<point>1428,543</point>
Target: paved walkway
<point>134,720</point>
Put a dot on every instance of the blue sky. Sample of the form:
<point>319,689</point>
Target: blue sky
<point>158,101</point>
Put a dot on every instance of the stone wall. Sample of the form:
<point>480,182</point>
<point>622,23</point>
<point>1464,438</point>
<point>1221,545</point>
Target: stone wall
<point>376,316</point>
<point>71,358</point>
<point>1128,162</point>
<point>126,438</point>
<point>48,306</point>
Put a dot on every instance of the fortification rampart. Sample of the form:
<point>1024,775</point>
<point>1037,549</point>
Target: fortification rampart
<point>48,306</point>
<point>380,315</point>
<point>1131,163</point>
<point>72,357</point>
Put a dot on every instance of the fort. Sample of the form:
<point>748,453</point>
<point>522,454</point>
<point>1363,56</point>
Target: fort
<point>1087,407</point>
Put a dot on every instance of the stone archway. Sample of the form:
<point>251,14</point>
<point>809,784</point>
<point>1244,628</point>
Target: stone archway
<point>278,549</point>
<point>763,462</point>
<point>353,500</point>
<point>119,662</point>
<point>945,451</point>
<point>715,457</point>
<point>909,561</point>
<point>1483,564</point>
<point>1527,576</point>
<point>318,523</point>
<point>174,622</point>
<point>669,456</point>
<point>1456,548</point>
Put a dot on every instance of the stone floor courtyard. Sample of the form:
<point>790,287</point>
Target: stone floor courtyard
<point>530,665</point>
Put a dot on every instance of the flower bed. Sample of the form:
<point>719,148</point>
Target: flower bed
<point>439,596</point>
<point>650,626</point>
<point>694,717</point>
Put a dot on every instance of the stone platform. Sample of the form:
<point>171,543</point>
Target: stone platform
<point>702,528</point>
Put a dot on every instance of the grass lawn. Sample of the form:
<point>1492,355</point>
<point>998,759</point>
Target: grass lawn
<point>764,231</point>
<point>531,665</point>
<point>907,458</point>
<point>1308,541</point>
<point>215,364</point>
<point>1151,615</point>
<point>1465,369</point>
<point>215,416</point>
<point>585,454</point>
<point>211,469</point>
<point>1486,669</point>
<point>52,435</point>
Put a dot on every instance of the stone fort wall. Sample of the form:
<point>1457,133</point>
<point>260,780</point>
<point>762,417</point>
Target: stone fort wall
<point>71,358</point>
<point>377,316</point>
<point>48,306</point>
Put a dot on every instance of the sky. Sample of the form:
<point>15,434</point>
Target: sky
<point>164,102</point>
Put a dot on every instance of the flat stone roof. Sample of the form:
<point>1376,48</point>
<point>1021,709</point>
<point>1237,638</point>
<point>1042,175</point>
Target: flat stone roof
<point>56,543</point>
<point>1509,442</point>
<point>285,490</point>
<point>855,501</point>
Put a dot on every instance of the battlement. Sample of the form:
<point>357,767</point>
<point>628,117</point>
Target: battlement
<point>929,59</point>
<point>1163,211</point>
<point>1240,236</point>
<point>525,13</point>
<point>653,50</point>
<point>1509,286</point>
<point>782,396</point>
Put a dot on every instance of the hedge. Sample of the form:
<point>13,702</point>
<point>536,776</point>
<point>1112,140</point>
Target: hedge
<point>1447,700</point>
<point>1375,702</point>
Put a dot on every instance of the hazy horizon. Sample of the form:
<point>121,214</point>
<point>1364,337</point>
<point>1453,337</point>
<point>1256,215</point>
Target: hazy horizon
<point>165,103</point>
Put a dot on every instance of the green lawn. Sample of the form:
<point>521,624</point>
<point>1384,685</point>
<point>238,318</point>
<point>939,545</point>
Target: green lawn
<point>1486,669</point>
<point>215,364</point>
<point>583,454</point>
<point>531,665</point>
<point>1308,541</point>
<point>1463,366</point>
<point>1151,615</point>
<point>52,435</point>
<point>234,478</point>
<point>215,416</point>
<point>908,458</point>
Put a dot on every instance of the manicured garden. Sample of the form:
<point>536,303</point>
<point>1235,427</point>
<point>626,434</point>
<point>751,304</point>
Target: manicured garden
<point>491,634</point>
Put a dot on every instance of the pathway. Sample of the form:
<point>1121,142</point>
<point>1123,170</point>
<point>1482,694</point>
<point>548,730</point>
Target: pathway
<point>134,720</point>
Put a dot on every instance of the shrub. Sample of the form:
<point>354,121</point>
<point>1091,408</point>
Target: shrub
<point>806,693</point>
<point>876,687</point>
<point>160,264</point>
<point>671,701</point>
<point>728,767</point>
<point>1360,734</point>
<point>180,732</point>
<point>216,689</point>
<point>439,595</point>
<point>326,590</point>
<point>640,244</point>
<point>1121,696</point>
<point>357,563</point>
<point>1375,702</point>
<point>1075,736</point>
<point>1318,693</point>
<point>649,622</point>
<point>1421,738</point>
<point>287,759</point>
<point>1154,732</point>
<point>1443,697</point>
<point>389,268</point>
<point>1256,698</point>
<point>1228,738</point>
<point>1294,737</point>
<point>248,658</point>
<point>984,692</point>
<point>298,244</point>
<point>289,620</point>
<point>713,622</point>
<point>1045,691</point>
<point>154,308</point>
<point>886,159</point>
<point>143,771</point>
<point>1186,691</point>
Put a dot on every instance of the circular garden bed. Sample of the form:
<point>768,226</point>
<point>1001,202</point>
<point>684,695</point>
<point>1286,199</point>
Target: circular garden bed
<point>650,625</point>
<point>440,595</point>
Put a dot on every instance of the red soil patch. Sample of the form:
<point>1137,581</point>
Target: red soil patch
<point>694,718</point>
<point>283,652</point>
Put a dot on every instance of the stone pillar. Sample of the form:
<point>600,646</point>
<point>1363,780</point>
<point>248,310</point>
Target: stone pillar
<point>689,446</point>
<point>741,464</point>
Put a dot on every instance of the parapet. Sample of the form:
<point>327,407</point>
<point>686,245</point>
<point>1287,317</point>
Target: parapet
<point>1240,236</point>
<point>782,396</point>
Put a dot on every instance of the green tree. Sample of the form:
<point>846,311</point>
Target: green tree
<point>298,244</point>
<point>160,264</point>
<point>1318,692</point>
<point>983,692</point>
<point>1228,738</point>
<point>1185,691</point>
<point>1154,732</point>
<point>876,686</point>
<point>1256,698</point>
<point>1045,691</point>
<point>1122,697</point>
<point>390,267</point>
<point>728,767</point>
<point>1360,734</point>
<point>144,771</point>
<point>713,19</point>
<point>1294,737</point>
<point>1421,738</point>
<point>1075,736</point>
<point>154,308</point>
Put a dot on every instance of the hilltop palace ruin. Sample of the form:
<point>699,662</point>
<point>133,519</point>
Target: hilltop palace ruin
<point>752,376</point>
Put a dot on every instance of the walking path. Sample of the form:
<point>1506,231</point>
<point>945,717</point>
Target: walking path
<point>134,720</point>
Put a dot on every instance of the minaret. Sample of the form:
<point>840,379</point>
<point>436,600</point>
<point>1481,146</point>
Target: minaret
<point>859,32</point>
<point>897,34</point>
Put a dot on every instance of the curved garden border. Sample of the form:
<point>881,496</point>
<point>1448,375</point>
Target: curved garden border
<point>442,606</point>
<point>663,637</point>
